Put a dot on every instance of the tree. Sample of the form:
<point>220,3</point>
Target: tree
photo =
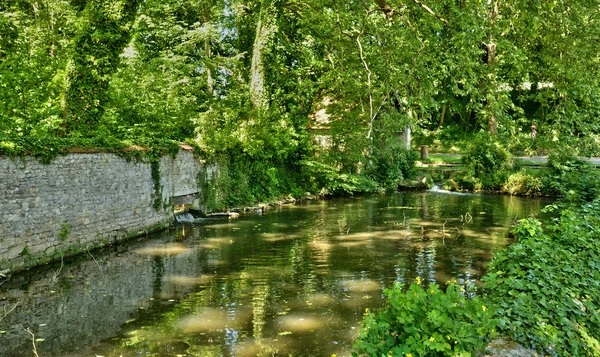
<point>105,30</point>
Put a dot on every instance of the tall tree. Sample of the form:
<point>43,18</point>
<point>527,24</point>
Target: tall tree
<point>105,31</point>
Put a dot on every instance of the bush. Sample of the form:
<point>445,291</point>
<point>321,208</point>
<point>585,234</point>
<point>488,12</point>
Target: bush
<point>392,165</point>
<point>329,181</point>
<point>488,162</point>
<point>571,178</point>
<point>426,322</point>
<point>460,181</point>
<point>523,184</point>
<point>546,288</point>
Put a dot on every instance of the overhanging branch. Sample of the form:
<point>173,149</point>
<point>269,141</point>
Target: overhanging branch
<point>428,9</point>
<point>385,7</point>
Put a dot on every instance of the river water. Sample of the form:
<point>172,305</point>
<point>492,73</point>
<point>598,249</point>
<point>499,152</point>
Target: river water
<point>294,281</point>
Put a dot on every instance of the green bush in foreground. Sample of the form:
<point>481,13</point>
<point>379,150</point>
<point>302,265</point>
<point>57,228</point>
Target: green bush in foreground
<point>488,162</point>
<point>426,322</point>
<point>545,289</point>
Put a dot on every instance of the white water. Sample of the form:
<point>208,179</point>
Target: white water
<point>438,188</point>
<point>185,218</point>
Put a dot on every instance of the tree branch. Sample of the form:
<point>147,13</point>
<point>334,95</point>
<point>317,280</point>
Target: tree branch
<point>35,353</point>
<point>339,22</point>
<point>428,9</point>
<point>9,311</point>
<point>385,7</point>
<point>364,62</point>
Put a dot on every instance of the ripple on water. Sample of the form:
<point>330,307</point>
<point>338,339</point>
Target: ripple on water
<point>278,237</point>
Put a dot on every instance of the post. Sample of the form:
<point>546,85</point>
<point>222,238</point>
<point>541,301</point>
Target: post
<point>424,152</point>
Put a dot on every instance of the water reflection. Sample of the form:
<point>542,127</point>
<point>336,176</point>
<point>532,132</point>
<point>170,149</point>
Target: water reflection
<point>294,281</point>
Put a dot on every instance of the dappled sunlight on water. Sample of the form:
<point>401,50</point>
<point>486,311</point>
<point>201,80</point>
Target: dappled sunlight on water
<point>166,249</point>
<point>301,323</point>
<point>213,320</point>
<point>190,280</point>
<point>361,286</point>
<point>295,280</point>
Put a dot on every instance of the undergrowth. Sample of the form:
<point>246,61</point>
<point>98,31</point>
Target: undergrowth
<point>427,322</point>
<point>546,287</point>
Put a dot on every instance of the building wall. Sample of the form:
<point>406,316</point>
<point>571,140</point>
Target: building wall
<point>82,201</point>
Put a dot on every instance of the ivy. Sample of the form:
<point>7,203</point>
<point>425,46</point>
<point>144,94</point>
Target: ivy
<point>48,148</point>
<point>545,288</point>
<point>157,200</point>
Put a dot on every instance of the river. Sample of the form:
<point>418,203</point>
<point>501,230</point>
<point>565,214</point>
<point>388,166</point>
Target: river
<point>293,281</point>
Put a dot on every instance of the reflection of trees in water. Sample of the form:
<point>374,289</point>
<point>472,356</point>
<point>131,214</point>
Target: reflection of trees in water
<point>321,263</point>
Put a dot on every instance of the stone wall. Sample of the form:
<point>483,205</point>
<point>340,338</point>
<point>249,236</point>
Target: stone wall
<point>82,201</point>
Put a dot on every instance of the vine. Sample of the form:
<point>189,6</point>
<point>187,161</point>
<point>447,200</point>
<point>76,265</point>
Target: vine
<point>157,195</point>
<point>46,149</point>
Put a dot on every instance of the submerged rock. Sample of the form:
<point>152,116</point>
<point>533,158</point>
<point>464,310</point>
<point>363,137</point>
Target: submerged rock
<point>507,348</point>
<point>223,215</point>
<point>420,183</point>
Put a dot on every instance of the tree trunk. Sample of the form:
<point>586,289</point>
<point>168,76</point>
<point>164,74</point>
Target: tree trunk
<point>492,125</point>
<point>385,7</point>
<point>265,30</point>
<point>209,80</point>
<point>442,117</point>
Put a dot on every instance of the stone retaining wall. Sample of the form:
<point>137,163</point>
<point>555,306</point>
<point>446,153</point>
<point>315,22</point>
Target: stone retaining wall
<point>82,201</point>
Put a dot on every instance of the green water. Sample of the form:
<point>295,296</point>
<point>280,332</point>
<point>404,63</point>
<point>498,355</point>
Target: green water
<point>294,281</point>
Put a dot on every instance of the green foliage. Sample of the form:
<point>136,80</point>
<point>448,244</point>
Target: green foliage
<point>427,322</point>
<point>460,181</point>
<point>26,252</point>
<point>104,31</point>
<point>47,148</point>
<point>488,162</point>
<point>65,231</point>
<point>523,183</point>
<point>545,287</point>
<point>180,70</point>
<point>233,180</point>
<point>331,181</point>
<point>392,165</point>
<point>157,197</point>
<point>572,178</point>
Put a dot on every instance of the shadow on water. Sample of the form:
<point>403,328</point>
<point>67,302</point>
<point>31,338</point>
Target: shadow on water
<point>293,281</point>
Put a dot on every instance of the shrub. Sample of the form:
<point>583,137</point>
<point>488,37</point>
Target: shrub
<point>426,322</point>
<point>523,184</point>
<point>488,161</point>
<point>571,178</point>
<point>329,181</point>
<point>546,288</point>
<point>460,181</point>
<point>391,165</point>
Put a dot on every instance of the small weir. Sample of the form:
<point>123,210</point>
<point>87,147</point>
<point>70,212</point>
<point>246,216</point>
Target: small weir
<point>439,188</point>
<point>295,280</point>
<point>185,218</point>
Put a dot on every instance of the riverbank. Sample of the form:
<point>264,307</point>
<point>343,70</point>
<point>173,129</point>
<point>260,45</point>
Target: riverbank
<point>551,176</point>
